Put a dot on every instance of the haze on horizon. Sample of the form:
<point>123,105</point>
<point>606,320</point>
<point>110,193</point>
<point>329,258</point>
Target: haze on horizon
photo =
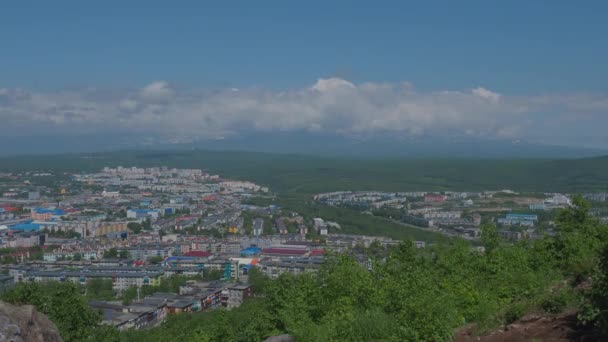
<point>516,71</point>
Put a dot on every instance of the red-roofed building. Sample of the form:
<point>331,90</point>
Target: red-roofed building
<point>284,251</point>
<point>317,252</point>
<point>298,243</point>
<point>435,198</point>
<point>198,254</point>
<point>185,218</point>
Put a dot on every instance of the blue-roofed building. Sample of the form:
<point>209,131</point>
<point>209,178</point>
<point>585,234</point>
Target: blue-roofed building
<point>44,214</point>
<point>538,206</point>
<point>26,227</point>
<point>527,220</point>
<point>251,251</point>
<point>170,259</point>
<point>527,217</point>
<point>55,212</point>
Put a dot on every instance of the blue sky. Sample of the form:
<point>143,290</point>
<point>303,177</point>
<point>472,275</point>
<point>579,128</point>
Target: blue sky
<point>526,51</point>
<point>514,46</point>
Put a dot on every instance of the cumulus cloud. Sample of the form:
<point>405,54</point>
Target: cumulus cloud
<point>486,94</point>
<point>330,105</point>
<point>156,91</point>
<point>332,84</point>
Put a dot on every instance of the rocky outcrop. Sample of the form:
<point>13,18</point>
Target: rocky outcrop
<point>25,323</point>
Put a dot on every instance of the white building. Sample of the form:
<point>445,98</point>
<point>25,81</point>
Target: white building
<point>143,213</point>
<point>110,194</point>
<point>54,256</point>
<point>558,200</point>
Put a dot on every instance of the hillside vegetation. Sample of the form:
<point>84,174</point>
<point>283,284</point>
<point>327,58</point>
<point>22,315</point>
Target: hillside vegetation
<point>307,174</point>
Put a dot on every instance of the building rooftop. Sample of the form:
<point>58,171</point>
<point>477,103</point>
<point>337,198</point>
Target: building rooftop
<point>49,211</point>
<point>284,251</point>
<point>198,254</point>
<point>26,227</point>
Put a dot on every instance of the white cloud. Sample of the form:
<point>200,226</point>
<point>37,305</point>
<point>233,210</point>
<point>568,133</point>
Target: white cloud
<point>331,84</point>
<point>156,91</point>
<point>128,104</point>
<point>486,94</point>
<point>329,105</point>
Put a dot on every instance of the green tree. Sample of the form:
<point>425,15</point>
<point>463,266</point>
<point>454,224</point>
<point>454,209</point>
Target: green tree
<point>128,295</point>
<point>147,224</point>
<point>579,239</point>
<point>258,280</point>
<point>155,259</point>
<point>135,227</point>
<point>100,289</point>
<point>65,306</point>
<point>489,237</point>
<point>111,253</point>
<point>212,274</point>
<point>595,308</point>
<point>124,254</point>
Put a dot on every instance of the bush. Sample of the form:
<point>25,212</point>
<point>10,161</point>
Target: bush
<point>515,311</point>
<point>595,307</point>
<point>557,302</point>
<point>66,307</point>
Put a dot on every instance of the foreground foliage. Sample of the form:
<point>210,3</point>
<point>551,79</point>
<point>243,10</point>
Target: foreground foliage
<point>66,307</point>
<point>595,307</point>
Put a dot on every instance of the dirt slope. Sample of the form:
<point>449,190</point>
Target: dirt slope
<point>545,328</point>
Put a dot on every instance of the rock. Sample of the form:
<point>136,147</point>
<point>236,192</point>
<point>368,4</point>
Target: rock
<point>513,326</point>
<point>24,323</point>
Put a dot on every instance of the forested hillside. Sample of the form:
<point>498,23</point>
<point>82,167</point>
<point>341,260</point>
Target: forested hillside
<point>308,174</point>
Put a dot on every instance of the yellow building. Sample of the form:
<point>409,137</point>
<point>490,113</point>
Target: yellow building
<point>110,227</point>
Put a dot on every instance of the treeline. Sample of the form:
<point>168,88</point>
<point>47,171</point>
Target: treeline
<point>408,295</point>
<point>309,174</point>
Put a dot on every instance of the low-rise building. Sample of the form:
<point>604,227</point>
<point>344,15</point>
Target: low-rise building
<point>234,296</point>
<point>65,255</point>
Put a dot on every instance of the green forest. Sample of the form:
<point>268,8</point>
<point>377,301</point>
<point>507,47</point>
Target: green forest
<point>409,295</point>
<point>286,173</point>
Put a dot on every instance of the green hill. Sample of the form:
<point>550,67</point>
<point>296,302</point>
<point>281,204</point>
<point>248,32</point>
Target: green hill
<point>308,174</point>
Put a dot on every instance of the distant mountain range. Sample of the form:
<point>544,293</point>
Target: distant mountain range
<point>328,145</point>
